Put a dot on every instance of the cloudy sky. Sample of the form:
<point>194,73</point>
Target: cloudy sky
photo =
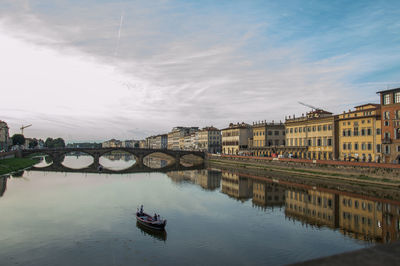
<point>97,69</point>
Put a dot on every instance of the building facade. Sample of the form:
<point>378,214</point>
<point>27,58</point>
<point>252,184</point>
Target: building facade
<point>390,122</point>
<point>112,143</point>
<point>5,141</point>
<point>210,140</point>
<point>317,131</point>
<point>235,138</point>
<point>266,135</point>
<point>360,135</point>
<point>176,138</point>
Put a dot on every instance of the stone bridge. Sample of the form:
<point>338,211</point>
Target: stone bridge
<point>57,156</point>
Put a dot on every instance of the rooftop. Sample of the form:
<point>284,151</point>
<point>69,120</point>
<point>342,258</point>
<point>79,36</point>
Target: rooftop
<point>390,90</point>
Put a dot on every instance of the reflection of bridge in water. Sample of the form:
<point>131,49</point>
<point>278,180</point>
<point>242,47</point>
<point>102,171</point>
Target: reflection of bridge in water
<point>57,156</point>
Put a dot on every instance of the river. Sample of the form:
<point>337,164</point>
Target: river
<point>215,217</point>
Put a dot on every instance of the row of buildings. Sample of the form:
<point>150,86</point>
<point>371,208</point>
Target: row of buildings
<point>369,133</point>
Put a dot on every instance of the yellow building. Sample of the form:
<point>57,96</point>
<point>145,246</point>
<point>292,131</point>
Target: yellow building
<point>360,134</point>
<point>267,135</point>
<point>235,138</point>
<point>361,218</point>
<point>317,131</point>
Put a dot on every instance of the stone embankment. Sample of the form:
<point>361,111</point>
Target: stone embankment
<point>378,173</point>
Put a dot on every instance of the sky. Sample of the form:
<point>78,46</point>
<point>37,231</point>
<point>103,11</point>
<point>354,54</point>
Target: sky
<point>92,70</point>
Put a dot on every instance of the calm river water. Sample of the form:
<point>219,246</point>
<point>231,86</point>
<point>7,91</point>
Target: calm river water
<point>214,217</point>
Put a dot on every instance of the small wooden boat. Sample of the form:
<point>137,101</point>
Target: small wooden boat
<point>149,221</point>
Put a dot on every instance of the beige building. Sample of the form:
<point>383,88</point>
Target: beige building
<point>360,135</point>
<point>112,143</point>
<point>235,138</point>
<point>316,131</point>
<point>176,137</point>
<point>210,140</point>
<point>5,140</point>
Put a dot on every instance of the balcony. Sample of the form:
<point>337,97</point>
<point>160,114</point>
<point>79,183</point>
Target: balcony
<point>386,141</point>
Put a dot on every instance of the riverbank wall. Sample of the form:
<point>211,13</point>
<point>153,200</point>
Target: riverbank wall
<point>374,170</point>
<point>8,155</point>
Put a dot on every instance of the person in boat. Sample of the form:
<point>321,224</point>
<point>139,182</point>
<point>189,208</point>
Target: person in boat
<point>158,217</point>
<point>155,217</point>
<point>141,209</point>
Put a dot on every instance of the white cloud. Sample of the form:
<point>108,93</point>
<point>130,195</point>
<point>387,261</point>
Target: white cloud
<point>61,73</point>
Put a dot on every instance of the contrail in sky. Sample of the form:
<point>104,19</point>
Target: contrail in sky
<point>119,33</point>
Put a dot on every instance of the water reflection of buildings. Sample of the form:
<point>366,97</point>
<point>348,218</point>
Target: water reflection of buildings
<point>237,186</point>
<point>207,179</point>
<point>154,162</point>
<point>3,185</point>
<point>360,217</point>
<point>312,206</point>
<point>267,194</point>
<point>120,156</point>
<point>355,216</point>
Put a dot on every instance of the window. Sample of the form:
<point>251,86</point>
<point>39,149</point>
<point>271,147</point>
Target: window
<point>369,146</point>
<point>386,99</point>
<point>324,128</point>
<point>300,128</point>
<point>319,142</point>
<point>314,128</point>
<point>344,133</point>
<point>378,131</point>
<point>363,146</point>
<point>276,133</point>
<point>355,131</point>
<point>386,115</point>
<point>378,148</point>
<point>295,130</point>
<point>397,114</point>
<point>397,97</point>
<point>369,132</point>
<point>291,130</point>
<point>387,149</point>
<point>386,123</point>
<point>363,132</point>
<point>329,127</point>
<point>349,132</point>
<point>329,142</point>
<point>387,135</point>
<point>356,146</point>
<point>319,128</point>
<point>270,133</point>
<point>349,146</point>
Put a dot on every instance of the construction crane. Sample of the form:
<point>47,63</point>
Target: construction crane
<point>23,127</point>
<point>310,106</point>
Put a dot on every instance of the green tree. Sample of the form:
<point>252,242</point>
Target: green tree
<point>33,144</point>
<point>18,139</point>
<point>49,143</point>
<point>59,143</point>
<point>54,143</point>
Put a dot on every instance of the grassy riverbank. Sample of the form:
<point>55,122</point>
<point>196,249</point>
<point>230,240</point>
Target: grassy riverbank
<point>15,164</point>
